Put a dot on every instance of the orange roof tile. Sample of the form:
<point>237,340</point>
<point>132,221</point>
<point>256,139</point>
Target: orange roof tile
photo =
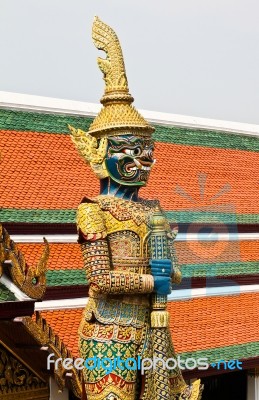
<point>44,171</point>
<point>65,324</point>
<point>62,255</point>
<point>212,322</point>
<point>198,252</point>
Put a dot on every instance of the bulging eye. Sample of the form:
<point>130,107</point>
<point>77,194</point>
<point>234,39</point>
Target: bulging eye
<point>150,153</point>
<point>133,152</point>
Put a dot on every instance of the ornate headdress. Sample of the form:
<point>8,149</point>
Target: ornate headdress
<point>117,116</point>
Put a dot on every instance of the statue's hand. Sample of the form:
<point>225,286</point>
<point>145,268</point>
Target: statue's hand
<point>162,285</point>
<point>161,267</point>
<point>161,271</point>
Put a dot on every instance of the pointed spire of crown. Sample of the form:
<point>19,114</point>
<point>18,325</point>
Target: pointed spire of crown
<point>118,116</point>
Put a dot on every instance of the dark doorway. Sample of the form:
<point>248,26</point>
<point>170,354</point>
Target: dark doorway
<point>225,386</point>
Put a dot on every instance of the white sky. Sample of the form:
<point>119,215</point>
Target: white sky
<point>191,57</point>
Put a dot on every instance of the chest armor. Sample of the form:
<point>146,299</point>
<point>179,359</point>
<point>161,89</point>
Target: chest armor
<point>126,226</point>
<point>128,230</point>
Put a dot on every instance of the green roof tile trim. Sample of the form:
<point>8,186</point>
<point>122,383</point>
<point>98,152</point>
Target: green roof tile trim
<point>235,352</point>
<point>69,277</point>
<point>205,138</point>
<point>57,123</point>
<point>219,269</point>
<point>39,122</point>
<point>38,216</point>
<point>192,217</point>
<point>6,294</point>
<point>66,277</point>
<point>69,216</point>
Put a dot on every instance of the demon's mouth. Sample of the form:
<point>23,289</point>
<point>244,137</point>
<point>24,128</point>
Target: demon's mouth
<point>139,164</point>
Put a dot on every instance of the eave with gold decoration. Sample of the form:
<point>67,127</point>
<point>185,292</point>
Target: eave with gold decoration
<point>22,335</point>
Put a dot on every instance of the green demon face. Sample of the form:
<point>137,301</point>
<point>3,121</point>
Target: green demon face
<point>129,159</point>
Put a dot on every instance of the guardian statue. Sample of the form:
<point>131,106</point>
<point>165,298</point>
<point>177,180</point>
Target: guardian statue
<point>128,253</point>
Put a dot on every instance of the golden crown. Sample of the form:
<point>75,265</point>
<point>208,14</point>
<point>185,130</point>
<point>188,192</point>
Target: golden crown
<point>118,116</point>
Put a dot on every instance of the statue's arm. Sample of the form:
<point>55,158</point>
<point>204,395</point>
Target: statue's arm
<point>176,276</point>
<point>94,245</point>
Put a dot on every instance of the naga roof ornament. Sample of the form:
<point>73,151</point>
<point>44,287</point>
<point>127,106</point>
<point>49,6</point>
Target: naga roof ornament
<point>30,280</point>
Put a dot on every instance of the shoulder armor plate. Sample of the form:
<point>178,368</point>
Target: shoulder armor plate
<point>90,221</point>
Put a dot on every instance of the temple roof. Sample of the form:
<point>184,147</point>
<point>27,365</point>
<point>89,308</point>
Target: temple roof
<point>200,175</point>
